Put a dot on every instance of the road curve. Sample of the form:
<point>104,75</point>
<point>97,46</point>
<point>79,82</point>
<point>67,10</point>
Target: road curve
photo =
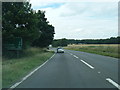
<point>74,69</point>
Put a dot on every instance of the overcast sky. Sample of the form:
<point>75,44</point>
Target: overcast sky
<point>81,20</point>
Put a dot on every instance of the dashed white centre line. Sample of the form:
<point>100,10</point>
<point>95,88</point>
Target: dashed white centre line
<point>99,72</point>
<point>83,61</point>
<point>108,79</point>
<point>70,53</point>
<point>87,64</point>
<point>75,56</point>
<point>113,83</point>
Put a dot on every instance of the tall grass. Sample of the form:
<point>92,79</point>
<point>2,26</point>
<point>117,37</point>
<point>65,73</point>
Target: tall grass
<point>14,69</point>
<point>102,49</point>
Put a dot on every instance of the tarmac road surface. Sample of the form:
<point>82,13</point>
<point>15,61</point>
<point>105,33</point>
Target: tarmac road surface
<point>75,69</point>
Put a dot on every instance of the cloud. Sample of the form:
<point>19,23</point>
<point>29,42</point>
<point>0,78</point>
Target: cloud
<point>78,30</point>
<point>90,9</point>
<point>82,20</point>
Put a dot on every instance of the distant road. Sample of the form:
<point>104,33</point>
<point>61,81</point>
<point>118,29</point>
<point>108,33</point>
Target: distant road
<point>75,69</point>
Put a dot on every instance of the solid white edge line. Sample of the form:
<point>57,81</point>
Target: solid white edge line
<point>24,78</point>
<point>113,83</point>
<point>87,64</point>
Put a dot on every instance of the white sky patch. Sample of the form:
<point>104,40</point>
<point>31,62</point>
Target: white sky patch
<point>78,30</point>
<point>36,1</point>
<point>83,20</point>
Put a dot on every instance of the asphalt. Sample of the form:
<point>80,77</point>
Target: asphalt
<point>75,69</point>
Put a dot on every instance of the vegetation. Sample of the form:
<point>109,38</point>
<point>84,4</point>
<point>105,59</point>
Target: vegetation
<point>112,40</point>
<point>15,69</point>
<point>60,42</point>
<point>102,49</point>
<point>47,31</point>
<point>0,73</point>
<point>20,20</point>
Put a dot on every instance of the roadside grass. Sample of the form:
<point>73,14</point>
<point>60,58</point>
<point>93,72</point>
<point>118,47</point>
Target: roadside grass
<point>14,69</point>
<point>102,49</point>
<point>0,73</point>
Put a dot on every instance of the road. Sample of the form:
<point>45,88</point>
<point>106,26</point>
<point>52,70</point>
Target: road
<point>75,69</point>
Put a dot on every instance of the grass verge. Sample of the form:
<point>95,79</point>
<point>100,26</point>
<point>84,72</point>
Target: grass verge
<point>101,49</point>
<point>0,73</point>
<point>14,69</point>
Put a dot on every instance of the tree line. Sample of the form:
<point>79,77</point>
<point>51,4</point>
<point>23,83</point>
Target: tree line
<point>65,42</point>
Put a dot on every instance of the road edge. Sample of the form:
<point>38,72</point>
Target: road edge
<point>96,54</point>
<point>29,74</point>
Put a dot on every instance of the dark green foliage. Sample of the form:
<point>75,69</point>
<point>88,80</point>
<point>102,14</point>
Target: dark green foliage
<point>64,42</point>
<point>56,43</point>
<point>47,31</point>
<point>112,40</point>
<point>19,20</point>
<point>60,42</point>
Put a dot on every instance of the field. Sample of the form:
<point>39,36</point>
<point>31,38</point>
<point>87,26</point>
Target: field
<point>102,49</point>
<point>14,69</point>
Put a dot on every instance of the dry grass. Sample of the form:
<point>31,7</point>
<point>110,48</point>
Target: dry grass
<point>102,49</point>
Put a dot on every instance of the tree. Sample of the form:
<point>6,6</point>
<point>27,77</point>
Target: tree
<point>56,43</point>
<point>19,20</point>
<point>47,31</point>
<point>63,42</point>
<point>60,42</point>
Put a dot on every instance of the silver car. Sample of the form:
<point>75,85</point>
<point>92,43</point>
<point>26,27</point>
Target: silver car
<point>60,50</point>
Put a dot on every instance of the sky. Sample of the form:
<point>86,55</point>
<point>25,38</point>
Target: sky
<point>81,19</point>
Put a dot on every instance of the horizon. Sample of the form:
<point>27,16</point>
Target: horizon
<point>87,38</point>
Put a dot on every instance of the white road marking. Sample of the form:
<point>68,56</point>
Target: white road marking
<point>99,72</point>
<point>113,83</point>
<point>71,54</point>
<point>75,56</point>
<point>87,64</point>
<point>16,84</point>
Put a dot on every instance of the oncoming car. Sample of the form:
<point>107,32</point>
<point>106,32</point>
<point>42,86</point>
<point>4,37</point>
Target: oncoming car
<point>60,50</point>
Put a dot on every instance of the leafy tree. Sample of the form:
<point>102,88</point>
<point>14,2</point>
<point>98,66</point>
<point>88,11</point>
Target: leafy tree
<point>19,21</point>
<point>47,31</point>
<point>63,42</point>
<point>60,42</point>
<point>56,43</point>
